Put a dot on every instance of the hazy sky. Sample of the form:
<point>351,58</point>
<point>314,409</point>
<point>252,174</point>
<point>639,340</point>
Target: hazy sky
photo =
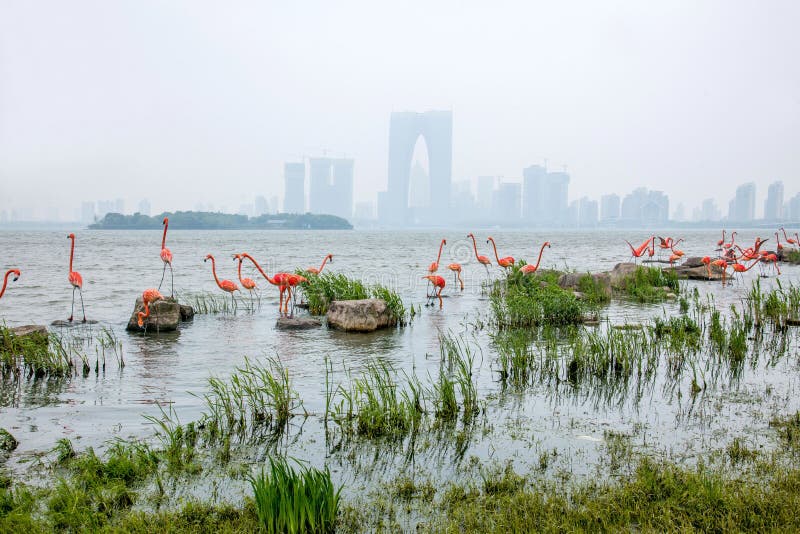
<point>187,102</point>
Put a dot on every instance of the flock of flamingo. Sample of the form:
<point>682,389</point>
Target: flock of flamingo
<point>730,254</point>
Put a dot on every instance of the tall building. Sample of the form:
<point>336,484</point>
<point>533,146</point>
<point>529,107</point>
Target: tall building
<point>260,206</point>
<point>419,193</point>
<point>709,210</point>
<point>643,206</point>
<point>587,213</point>
<point>773,205</point>
<point>609,208</point>
<point>364,211</point>
<point>534,184</point>
<point>331,186</point>
<point>294,196</point>
<point>545,196</point>
<point>794,208</point>
<point>742,208</point>
<point>507,202</point>
<point>462,201</point>
<point>485,190</point>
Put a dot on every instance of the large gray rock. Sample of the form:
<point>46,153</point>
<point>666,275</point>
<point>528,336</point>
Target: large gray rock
<point>187,312</point>
<point>7,442</point>
<point>697,273</point>
<point>164,316</point>
<point>619,273</point>
<point>297,323</point>
<point>364,315</point>
<point>572,281</point>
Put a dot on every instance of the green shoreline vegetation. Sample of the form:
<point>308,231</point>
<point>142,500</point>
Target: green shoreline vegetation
<point>537,342</point>
<point>203,220</point>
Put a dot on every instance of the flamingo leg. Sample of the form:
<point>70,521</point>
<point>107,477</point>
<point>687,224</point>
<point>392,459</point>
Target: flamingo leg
<point>72,310</point>
<point>80,292</point>
<point>439,294</point>
<point>460,280</point>
<point>171,282</point>
<point>163,272</point>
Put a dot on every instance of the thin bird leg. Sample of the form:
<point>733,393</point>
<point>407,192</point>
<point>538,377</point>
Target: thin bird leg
<point>72,310</point>
<point>80,292</point>
<point>439,294</point>
<point>171,282</point>
<point>163,272</point>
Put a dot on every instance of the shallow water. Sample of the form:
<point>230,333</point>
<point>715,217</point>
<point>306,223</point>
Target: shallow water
<point>117,265</point>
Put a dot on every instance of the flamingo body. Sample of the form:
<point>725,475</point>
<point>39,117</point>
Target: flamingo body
<point>149,296</point>
<point>456,268</point>
<point>530,268</point>
<point>506,262</point>
<point>439,284</point>
<point>483,260</point>
<point>166,257</point>
<point>75,280</point>
<point>315,270</point>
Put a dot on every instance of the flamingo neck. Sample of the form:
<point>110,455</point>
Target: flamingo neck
<point>240,270</point>
<point>164,237</point>
<point>214,271</point>
<point>441,245</point>
<point>71,253</point>
<point>475,246</point>
<point>539,259</point>
<point>265,275</point>
<point>495,250</point>
<point>5,283</point>
<point>325,259</point>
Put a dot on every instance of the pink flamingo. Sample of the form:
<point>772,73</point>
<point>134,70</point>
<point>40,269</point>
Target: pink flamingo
<point>780,245</point>
<point>166,257</point>
<point>506,262</point>
<point>438,284</point>
<point>772,258</point>
<point>75,280</point>
<point>247,283</point>
<point>225,285</point>
<point>722,264</point>
<point>530,269</point>
<point>456,268</point>
<point>314,270</point>
<point>483,260</point>
<point>16,274</point>
<point>284,281</point>
<point>639,252</point>
<point>721,241</point>
<point>707,262</point>
<point>789,239</point>
<point>433,267</point>
<point>731,243</point>
<point>149,296</point>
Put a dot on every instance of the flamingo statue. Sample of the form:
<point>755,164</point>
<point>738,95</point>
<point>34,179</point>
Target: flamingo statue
<point>438,284</point>
<point>707,262</point>
<point>456,268</point>
<point>506,262</point>
<point>721,241</point>
<point>247,283</point>
<point>726,246</point>
<point>773,259</point>
<point>284,281</point>
<point>149,296</point>
<point>676,252</point>
<point>740,268</point>
<point>225,285</point>
<point>780,245</point>
<point>166,257</point>
<point>530,269</point>
<point>16,274</point>
<point>483,260</point>
<point>314,270</point>
<point>722,264</point>
<point>75,280</point>
<point>639,252</point>
<point>433,267</point>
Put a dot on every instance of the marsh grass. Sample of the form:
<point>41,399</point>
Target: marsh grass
<point>525,301</point>
<point>211,303</point>
<point>295,500</point>
<point>321,290</point>
<point>650,284</point>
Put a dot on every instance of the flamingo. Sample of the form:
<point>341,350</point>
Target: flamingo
<point>16,274</point>
<point>721,241</point>
<point>740,268</point>
<point>726,246</point>
<point>225,285</point>
<point>439,283</point>
<point>678,253</point>
<point>75,280</point>
<point>247,283</point>
<point>639,252</point>
<point>789,239</point>
<point>707,262</point>
<point>456,268</point>
<point>506,262</point>
<point>773,259</point>
<point>530,269</point>
<point>722,264</point>
<point>149,296</point>
<point>433,267</point>
<point>314,270</point>
<point>284,281</point>
<point>483,260</point>
<point>672,259</point>
<point>166,257</point>
<point>780,245</point>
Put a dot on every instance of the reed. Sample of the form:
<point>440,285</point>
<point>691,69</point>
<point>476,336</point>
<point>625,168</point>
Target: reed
<point>290,500</point>
<point>36,356</point>
<point>650,284</point>
<point>321,290</point>
<point>211,303</point>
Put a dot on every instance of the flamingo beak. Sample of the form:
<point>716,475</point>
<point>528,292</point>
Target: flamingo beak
<point>16,278</point>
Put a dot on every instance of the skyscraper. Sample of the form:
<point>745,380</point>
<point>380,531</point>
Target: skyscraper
<point>485,189</point>
<point>342,188</point>
<point>742,207</point>
<point>643,206</point>
<point>506,202</point>
<point>773,206</point>
<point>609,208</point>
<point>144,207</point>
<point>331,186</point>
<point>294,199</point>
<point>261,207</point>
<point>588,212</point>
<point>534,180</point>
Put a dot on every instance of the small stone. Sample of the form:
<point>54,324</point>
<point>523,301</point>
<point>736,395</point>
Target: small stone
<point>7,442</point>
<point>297,323</point>
<point>187,312</point>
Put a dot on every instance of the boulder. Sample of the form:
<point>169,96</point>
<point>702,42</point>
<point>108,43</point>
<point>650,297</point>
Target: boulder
<point>694,261</point>
<point>619,273</point>
<point>365,315</point>
<point>7,442</point>
<point>187,312</point>
<point>164,316</point>
<point>297,323</point>
<point>698,273</point>
<point>572,281</point>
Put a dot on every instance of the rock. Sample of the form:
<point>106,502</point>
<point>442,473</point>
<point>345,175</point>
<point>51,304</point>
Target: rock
<point>297,323</point>
<point>28,334</point>
<point>187,312</point>
<point>364,315</point>
<point>164,316</point>
<point>7,441</point>
<point>572,281</point>
<point>694,261</point>
<point>75,322</point>
<point>578,295</point>
<point>619,273</point>
<point>698,273</point>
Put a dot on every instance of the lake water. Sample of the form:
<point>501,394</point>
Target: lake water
<point>173,368</point>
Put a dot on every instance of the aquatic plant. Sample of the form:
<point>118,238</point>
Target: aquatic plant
<point>523,301</point>
<point>650,284</point>
<point>321,290</point>
<point>207,303</point>
<point>290,500</point>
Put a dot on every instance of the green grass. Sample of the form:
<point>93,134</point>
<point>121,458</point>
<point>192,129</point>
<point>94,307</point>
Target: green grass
<point>321,290</point>
<point>208,302</point>
<point>524,301</point>
<point>290,500</point>
<point>650,284</point>
<point>791,256</point>
<point>36,356</point>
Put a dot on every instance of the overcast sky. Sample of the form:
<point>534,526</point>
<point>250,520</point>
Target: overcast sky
<point>187,102</point>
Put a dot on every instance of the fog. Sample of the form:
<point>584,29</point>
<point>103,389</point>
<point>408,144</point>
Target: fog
<point>201,102</point>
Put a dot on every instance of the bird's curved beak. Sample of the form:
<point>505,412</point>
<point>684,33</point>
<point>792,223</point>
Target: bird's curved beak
<point>16,278</point>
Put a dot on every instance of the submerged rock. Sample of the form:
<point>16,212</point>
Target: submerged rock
<point>187,312</point>
<point>165,315</point>
<point>7,442</point>
<point>34,333</point>
<point>365,315</point>
<point>297,323</point>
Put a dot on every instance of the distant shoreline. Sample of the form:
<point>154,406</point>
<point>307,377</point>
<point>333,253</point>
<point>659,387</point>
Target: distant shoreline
<point>202,220</point>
